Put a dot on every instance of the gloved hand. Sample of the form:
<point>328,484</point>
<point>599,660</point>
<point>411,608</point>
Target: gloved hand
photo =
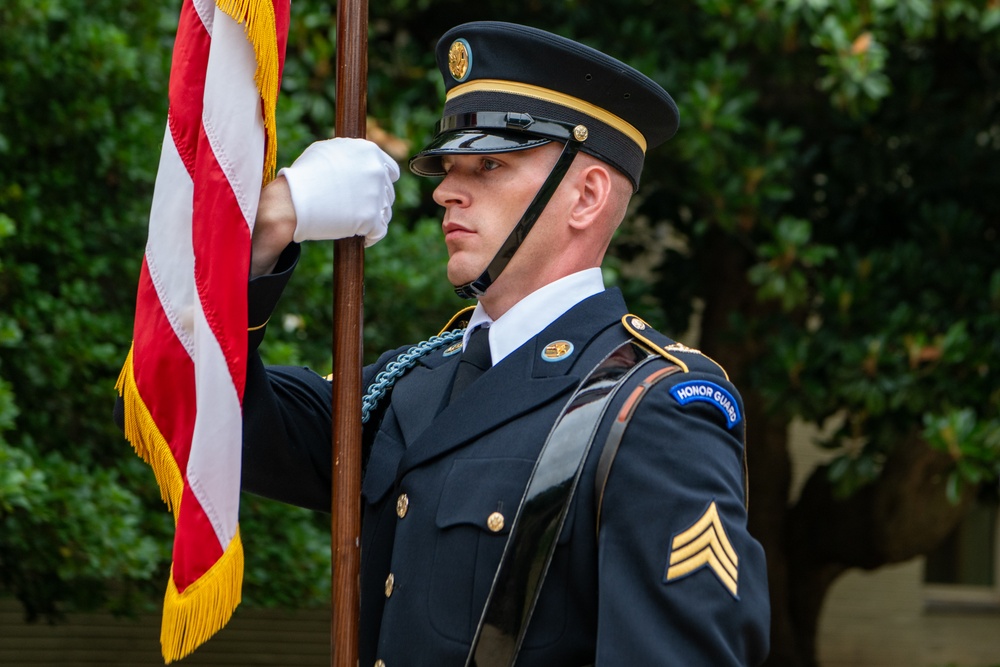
<point>341,188</point>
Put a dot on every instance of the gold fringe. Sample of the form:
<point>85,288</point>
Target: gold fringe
<point>258,19</point>
<point>141,431</point>
<point>192,617</point>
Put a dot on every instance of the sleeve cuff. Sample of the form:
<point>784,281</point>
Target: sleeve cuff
<point>263,293</point>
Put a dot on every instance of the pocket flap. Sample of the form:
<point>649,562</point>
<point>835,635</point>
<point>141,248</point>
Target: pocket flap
<point>484,493</point>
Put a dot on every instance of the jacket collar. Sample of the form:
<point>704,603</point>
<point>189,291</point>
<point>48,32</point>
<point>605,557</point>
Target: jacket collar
<point>522,382</point>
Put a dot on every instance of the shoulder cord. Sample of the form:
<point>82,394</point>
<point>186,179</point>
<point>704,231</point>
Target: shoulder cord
<point>396,368</point>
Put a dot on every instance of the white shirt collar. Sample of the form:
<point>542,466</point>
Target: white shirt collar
<point>530,315</point>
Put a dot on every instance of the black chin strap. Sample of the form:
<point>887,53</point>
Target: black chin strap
<point>478,287</point>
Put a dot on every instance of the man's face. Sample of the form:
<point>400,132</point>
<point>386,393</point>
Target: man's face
<point>484,196</point>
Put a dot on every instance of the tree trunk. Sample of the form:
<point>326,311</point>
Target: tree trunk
<point>903,514</point>
<point>727,292</point>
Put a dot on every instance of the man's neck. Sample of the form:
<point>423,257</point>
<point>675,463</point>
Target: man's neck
<point>536,311</point>
<point>506,293</point>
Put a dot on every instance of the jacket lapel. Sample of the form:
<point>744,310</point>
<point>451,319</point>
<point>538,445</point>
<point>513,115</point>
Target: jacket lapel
<point>520,383</point>
<point>417,400</point>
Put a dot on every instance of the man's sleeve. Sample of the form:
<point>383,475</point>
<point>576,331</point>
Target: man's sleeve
<point>286,410</point>
<point>681,580</point>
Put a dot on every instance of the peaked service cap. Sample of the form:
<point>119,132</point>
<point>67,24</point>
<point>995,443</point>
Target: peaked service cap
<point>511,87</point>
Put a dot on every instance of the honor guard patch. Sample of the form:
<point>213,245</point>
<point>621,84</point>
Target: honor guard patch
<point>704,545</point>
<point>711,393</point>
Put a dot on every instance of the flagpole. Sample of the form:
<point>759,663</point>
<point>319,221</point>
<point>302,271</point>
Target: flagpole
<point>348,280</point>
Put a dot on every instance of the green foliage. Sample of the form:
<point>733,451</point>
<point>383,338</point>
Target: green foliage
<point>287,554</point>
<point>80,118</point>
<point>973,443</point>
<point>70,533</point>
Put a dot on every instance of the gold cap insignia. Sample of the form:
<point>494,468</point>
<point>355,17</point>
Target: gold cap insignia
<point>460,59</point>
<point>705,544</point>
<point>580,133</point>
<point>557,349</point>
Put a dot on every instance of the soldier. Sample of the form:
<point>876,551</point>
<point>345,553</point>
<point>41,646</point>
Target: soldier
<point>580,500</point>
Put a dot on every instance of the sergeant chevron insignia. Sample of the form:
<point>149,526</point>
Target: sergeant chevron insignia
<point>704,544</point>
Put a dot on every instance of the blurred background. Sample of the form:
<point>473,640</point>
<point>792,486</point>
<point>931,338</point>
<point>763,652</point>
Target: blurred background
<point>825,225</point>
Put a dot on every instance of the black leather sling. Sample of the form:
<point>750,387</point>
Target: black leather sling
<point>543,509</point>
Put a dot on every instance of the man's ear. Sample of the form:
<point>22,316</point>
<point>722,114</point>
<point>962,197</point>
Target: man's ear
<point>593,189</point>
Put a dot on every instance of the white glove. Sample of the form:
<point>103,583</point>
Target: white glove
<point>342,188</point>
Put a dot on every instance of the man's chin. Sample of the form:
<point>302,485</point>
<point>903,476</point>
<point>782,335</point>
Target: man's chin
<point>459,276</point>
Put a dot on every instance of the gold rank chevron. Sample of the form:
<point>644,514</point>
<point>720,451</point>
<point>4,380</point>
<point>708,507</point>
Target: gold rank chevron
<point>705,544</point>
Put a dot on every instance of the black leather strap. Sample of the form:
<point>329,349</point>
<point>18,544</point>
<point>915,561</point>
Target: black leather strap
<point>617,431</point>
<point>478,287</point>
<point>542,512</point>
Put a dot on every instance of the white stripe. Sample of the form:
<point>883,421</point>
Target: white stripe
<point>169,247</point>
<point>232,113</point>
<point>235,131</point>
<point>213,469</point>
<point>205,10</point>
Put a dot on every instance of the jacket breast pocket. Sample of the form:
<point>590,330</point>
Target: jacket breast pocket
<point>479,501</point>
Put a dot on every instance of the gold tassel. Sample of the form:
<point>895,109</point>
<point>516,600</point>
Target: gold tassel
<point>141,431</point>
<point>257,17</point>
<point>192,617</point>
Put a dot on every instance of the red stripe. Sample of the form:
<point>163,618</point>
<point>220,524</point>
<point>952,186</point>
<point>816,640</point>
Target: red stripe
<point>164,372</point>
<point>196,546</point>
<point>222,261</point>
<point>187,83</point>
<point>281,19</point>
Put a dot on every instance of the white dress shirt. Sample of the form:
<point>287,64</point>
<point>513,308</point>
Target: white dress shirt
<point>530,315</point>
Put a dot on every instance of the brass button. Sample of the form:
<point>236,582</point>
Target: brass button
<point>495,522</point>
<point>402,505</point>
<point>380,663</point>
<point>390,582</point>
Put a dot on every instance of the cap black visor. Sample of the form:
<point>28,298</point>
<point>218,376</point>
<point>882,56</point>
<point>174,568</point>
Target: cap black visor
<point>469,142</point>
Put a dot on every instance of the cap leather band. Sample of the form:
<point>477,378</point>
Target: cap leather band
<point>555,97</point>
<point>498,120</point>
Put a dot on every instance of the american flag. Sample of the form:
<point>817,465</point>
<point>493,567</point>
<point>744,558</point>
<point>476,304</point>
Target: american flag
<point>184,377</point>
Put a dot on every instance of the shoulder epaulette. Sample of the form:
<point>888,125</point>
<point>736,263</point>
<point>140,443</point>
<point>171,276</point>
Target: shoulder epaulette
<point>687,358</point>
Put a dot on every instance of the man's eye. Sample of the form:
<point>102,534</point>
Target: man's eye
<point>490,165</point>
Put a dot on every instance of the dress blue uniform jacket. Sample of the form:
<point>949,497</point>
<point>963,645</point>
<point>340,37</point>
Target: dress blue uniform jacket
<point>434,474</point>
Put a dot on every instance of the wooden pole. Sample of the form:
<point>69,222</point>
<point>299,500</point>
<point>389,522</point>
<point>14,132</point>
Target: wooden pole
<point>348,280</point>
